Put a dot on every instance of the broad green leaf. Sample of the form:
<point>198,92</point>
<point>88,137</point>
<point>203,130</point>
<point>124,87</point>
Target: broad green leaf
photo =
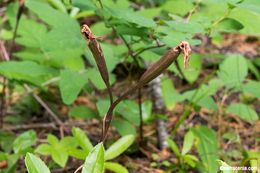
<point>63,44</point>
<point>71,84</point>
<point>82,139</point>
<point>100,28</point>
<point>53,140</point>
<point>180,7</point>
<point>82,112</point>
<point>44,149</point>
<point>24,141</point>
<point>147,110</point>
<point>60,155</point>
<point>78,153</point>
<point>245,16</point>
<point>122,4</point>
<point>187,143</point>
<point>253,69</point>
<point>174,147</point>
<point>68,142</point>
<point>129,110</point>
<point>94,162</point>
<point>204,90</point>
<point>130,16</point>
<point>119,147</point>
<point>96,79</point>
<point>102,107</point>
<point>207,102</point>
<point>84,5</point>
<point>35,164</point>
<point>190,159</point>
<point>57,149</point>
<point>193,71</point>
<point>252,87</point>
<point>25,70</point>
<point>124,127</point>
<point>115,167</point>
<point>207,146</point>
<point>243,111</point>
<point>224,167</point>
<point>31,33</point>
<point>58,4</point>
<point>54,17</point>
<point>228,25</point>
<point>170,95</point>
<point>233,71</point>
<point>190,27</point>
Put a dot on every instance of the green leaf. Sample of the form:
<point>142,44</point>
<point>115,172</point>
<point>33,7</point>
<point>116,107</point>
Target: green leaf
<point>170,95</point>
<point>71,84</point>
<point>147,110</point>
<point>35,164</point>
<point>252,87</point>
<point>174,147</point>
<point>129,110</point>
<point>60,155</point>
<point>31,33</point>
<point>44,149</point>
<point>102,107</point>
<point>190,27</point>
<point>82,139</point>
<point>124,127</point>
<point>24,141</point>
<point>206,144</point>
<point>53,140</point>
<point>58,4</point>
<point>57,149</point>
<point>243,111</point>
<point>63,44</point>
<point>187,143</point>
<point>82,112</point>
<point>229,25</point>
<point>224,167</point>
<point>245,16</point>
<point>190,159</point>
<point>191,73</point>
<point>25,70</point>
<point>180,7</point>
<point>84,5</point>
<point>115,167</point>
<point>119,147</point>
<point>94,162</point>
<point>127,15</point>
<point>233,71</point>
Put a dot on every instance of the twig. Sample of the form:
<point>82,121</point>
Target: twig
<point>193,10</point>
<point>44,105</point>
<point>31,126</point>
<point>3,95</point>
<point>147,48</point>
<point>79,168</point>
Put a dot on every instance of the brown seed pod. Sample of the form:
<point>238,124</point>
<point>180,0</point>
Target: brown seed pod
<point>98,55</point>
<point>151,73</point>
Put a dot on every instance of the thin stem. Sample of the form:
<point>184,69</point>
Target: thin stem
<point>147,48</point>
<point>193,10</point>
<point>140,113</point>
<point>101,4</point>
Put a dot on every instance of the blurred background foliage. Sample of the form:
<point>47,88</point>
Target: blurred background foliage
<point>212,110</point>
